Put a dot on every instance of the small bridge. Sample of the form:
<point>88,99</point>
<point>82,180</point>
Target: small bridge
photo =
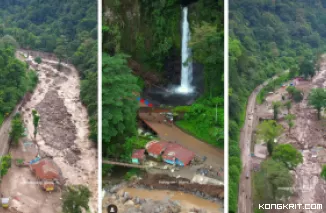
<point>123,164</point>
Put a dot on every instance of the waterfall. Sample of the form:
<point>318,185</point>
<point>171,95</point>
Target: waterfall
<point>186,70</point>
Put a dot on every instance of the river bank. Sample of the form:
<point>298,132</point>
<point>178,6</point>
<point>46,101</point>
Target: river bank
<point>164,190</point>
<point>62,136</point>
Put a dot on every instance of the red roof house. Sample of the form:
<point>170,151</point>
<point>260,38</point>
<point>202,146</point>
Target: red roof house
<point>172,153</point>
<point>156,148</point>
<point>138,154</point>
<point>177,154</point>
<point>46,171</point>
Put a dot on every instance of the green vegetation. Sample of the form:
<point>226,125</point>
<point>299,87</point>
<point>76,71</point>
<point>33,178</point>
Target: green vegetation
<point>317,99</point>
<point>5,164</point>
<point>269,181</point>
<point>36,119</point>
<point>17,129</point>
<point>119,104</point>
<point>19,161</point>
<point>307,68</point>
<point>67,29</point>
<point>205,119</point>
<point>151,38</point>
<point>15,79</point>
<point>268,131</point>
<point>288,105</point>
<point>135,142</point>
<point>272,86</point>
<point>289,119</point>
<point>131,173</point>
<point>287,154</point>
<point>75,199</point>
<point>276,108</point>
<point>297,96</point>
<point>38,60</point>
<point>323,172</point>
<point>266,38</point>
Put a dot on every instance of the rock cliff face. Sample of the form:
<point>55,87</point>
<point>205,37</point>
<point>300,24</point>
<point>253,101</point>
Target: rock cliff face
<point>150,32</point>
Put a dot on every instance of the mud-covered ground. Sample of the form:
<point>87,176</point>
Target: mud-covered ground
<point>164,194</point>
<point>62,136</point>
<point>307,134</point>
<point>181,184</point>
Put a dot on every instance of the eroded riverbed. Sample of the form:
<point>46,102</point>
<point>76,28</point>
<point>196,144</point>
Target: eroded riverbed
<point>62,135</point>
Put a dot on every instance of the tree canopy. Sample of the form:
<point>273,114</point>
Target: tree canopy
<point>67,28</point>
<point>287,154</point>
<point>269,130</point>
<point>119,104</point>
<point>272,182</point>
<point>17,129</point>
<point>5,164</point>
<point>75,199</point>
<point>15,79</point>
<point>317,99</point>
<point>289,118</point>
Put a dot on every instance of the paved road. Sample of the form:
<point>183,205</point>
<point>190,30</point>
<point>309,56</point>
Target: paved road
<point>245,193</point>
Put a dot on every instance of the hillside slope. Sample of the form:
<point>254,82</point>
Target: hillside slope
<point>266,37</point>
<point>66,28</point>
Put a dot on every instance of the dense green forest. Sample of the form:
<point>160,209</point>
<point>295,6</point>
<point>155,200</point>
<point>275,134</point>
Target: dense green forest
<point>66,28</point>
<point>266,38</point>
<point>148,33</point>
<point>15,81</point>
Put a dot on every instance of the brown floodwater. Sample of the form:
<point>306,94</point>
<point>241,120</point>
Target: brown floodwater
<point>187,201</point>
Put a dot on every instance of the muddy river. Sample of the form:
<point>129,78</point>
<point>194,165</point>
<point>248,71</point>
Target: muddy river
<point>62,135</point>
<point>187,201</point>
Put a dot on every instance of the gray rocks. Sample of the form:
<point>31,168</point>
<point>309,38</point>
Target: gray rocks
<point>115,189</point>
<point>126,195</point>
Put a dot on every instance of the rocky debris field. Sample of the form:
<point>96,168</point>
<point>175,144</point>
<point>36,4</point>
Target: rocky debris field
<point>63,128</point>
<point>158,181</point>
<point>56,126</point>
<point>307,134</point>
<point>128,204</point>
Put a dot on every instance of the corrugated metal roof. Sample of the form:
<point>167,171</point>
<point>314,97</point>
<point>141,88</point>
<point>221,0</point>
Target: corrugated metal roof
<point>170,151</point>
<point>179,152</point>
<point>46,170</point>
<point>156,147</point>
<point>138,153</point>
